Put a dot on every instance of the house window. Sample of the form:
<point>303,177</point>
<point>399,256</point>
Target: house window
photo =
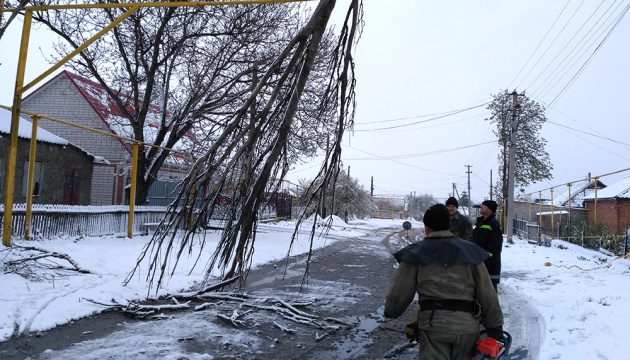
<point>37,181</point>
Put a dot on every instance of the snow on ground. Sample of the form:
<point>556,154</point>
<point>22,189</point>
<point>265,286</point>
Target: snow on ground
<point>584,313</point>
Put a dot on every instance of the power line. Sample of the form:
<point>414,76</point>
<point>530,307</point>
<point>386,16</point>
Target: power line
<point>485,102</point>
<point>560,74</point>
<point>408,156</point>
<point>564,61</point>
<point>402,163</point>
<point>403,127</point>
<point>579,72</point>
<point>540,43</point>
<point>554,40</point>
<point>424,121</point>
<point>588,133</point>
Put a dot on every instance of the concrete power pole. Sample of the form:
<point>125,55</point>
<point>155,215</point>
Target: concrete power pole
<point>372,187</point>
<point>511,169</point>
<point>468,172</point>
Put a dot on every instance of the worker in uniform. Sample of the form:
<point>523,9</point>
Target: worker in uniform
<point>451,280</point>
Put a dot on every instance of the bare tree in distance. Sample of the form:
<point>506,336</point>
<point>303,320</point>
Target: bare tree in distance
<point>198,65</point>
<point>532,160</point>
<point>345,198</point>
<point>248,160</point>
<point>419,204</point>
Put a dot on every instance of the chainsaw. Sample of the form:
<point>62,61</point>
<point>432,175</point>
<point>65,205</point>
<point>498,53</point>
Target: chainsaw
<point>491,349</point>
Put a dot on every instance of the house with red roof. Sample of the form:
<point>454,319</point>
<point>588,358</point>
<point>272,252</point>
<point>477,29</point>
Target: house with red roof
<point>72,98</point>
<point>613,206</point>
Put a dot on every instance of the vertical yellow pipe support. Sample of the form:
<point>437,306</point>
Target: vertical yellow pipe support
<point>530,207</point>
<point>31,179</point>
<point>132,190</point>
<point>15,124</point>
<point>539,216</point>
<point>569,232</point>
<point>596,179</point>
<point>552,228</point>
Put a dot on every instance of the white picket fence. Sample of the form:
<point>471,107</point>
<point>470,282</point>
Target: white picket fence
<point>56,220</point>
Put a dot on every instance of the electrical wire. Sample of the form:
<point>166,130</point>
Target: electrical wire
<point>540,43</point>
<point>564,47</point>
<point>573,51</point>
<point>377,157</point>
<point>579,72</point>
<point>565,63</point>
<point>553,42</point>
<point>484,102</point>
<point>424,121</point>
<point>408,156</point>
<point>588,133</point>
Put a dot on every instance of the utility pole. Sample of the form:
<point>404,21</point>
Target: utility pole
<point>490,184</point>
<point>468,172</point>
<point>511,169</point>
<point>372,187</point>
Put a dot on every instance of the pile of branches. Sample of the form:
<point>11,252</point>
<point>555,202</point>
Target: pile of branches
<point>37,264</point>
<point>239,301</point>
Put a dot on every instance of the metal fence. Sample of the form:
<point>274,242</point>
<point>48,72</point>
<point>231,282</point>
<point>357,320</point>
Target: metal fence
<point>616,244</point>
<point>56,220</point>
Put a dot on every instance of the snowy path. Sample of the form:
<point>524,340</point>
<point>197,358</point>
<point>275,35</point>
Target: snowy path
<point>522,321</point>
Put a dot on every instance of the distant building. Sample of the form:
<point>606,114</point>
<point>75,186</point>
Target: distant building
<point>63,171</point>
<point>578,194</point>
<point>613,206</point>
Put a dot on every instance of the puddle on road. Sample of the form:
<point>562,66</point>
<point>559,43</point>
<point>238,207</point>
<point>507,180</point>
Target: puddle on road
<point>360,337</point>
<point>367,323</point>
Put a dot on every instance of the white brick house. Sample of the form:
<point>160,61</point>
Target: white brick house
<point>75,99</point>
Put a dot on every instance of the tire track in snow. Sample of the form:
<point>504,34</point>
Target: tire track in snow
<point>522,321</point>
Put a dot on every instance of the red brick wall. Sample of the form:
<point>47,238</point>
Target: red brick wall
<point>614,212</point>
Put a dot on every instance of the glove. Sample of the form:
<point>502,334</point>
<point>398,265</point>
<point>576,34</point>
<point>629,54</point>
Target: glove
<point>496,333</point>
<point>412,331</point>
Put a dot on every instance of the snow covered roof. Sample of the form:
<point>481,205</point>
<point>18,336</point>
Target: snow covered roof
<point>559,212</point>
<point>577,195</point>
<point>26,129</point>
<point>620,189</point>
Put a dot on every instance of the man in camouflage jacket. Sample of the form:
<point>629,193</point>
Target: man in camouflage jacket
<point>460,224</point>
<point>450,277</point>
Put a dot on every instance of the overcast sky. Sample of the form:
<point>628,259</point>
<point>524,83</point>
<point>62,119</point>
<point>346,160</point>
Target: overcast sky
<point>420,60</point>
<point>417,59</point>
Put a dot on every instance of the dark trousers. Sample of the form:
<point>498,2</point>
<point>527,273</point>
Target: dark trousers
<point>440,346</point>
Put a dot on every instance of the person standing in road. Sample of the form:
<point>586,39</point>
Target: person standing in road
<point>460,224</point>
<point>450,278</point>
<point>488,235</point>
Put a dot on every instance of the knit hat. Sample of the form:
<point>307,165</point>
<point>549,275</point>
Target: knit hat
<point>492,205</point>
<point>452,201</point>
<point>437,217</point>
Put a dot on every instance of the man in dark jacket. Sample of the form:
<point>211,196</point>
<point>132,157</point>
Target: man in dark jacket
<point>450,278</point>
<point>460,224</point>
<point>488,235</point>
